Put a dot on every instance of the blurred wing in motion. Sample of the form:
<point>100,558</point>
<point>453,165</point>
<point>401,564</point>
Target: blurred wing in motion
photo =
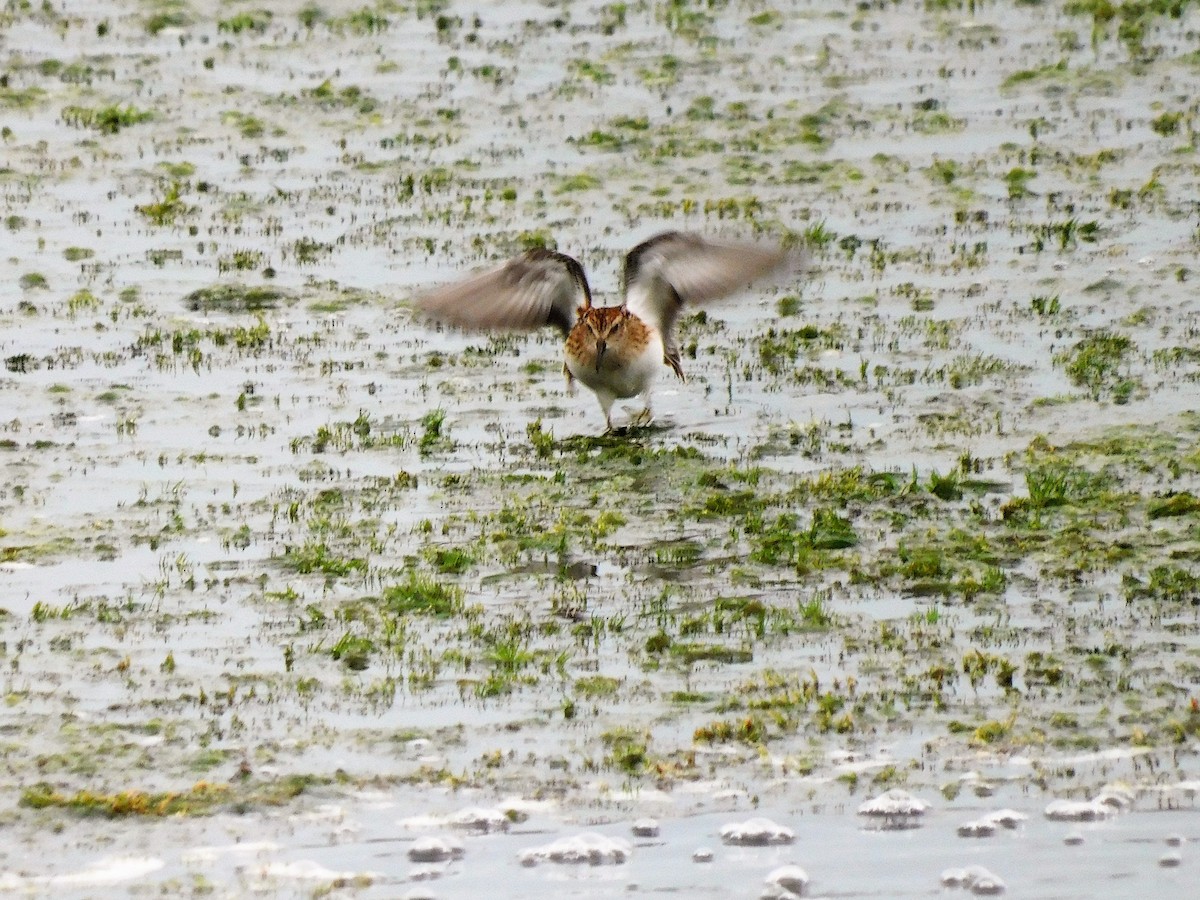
<point>673,269</point>
<point>539,287</point>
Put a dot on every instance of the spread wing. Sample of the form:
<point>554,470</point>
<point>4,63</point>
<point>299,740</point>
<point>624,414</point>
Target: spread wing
<point>673,269</point>
<point>539,287</point>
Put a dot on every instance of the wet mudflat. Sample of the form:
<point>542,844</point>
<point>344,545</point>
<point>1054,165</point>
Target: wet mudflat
<point>302,597</point>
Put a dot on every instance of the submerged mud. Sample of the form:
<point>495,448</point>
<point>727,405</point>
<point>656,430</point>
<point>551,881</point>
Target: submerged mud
<point>301,596</point>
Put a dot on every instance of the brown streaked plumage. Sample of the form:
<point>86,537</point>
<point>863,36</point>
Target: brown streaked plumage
<point>614,350</point>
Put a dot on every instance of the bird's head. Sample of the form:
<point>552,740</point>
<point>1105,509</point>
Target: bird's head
<point>605,324</point>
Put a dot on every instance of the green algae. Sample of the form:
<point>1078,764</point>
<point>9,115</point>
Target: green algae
<point>203,798</point>
<point>843,531</point>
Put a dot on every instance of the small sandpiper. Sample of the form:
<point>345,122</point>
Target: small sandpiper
<point>614,350</point>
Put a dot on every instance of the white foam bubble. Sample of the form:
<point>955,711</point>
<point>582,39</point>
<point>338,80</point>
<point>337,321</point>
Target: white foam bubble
<point>977,828</point>
<point>589,847</point>
<point>1077,810</point>
<point>645,828</point>
<point>480,819</point>
<point>1006,818</point>
<point>435,848</point>
<point>976,879</point>
<point>789,877</point>
<point>895,802</point>
<point>756,832</point>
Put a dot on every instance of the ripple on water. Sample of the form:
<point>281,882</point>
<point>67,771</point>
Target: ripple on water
<point>308,870</point>
<point>777,892</point>
<point>241,850</point>
<point>109,870</point>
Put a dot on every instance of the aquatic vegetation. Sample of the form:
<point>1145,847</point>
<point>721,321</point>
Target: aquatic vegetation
<point>1096,363</point>
<point>778,350</point>
<point>106,119</point>
<point>20,98</point>
<point>433,438</point>
<point>422,594</point>
<point>581,182</point>
<point>783,542</point>
<point>166,210</point>
<point>1017,179</point>
<point>202,799</point>
<point>250,126</point>
<point>1066,234</point>
<point>1048,72</point>
<point>255,20</point>
<point>748,731</point>
<point>231,297</point>
<point>169,14</point>
<point>353,651</point>
<point>1046,306</point>
<point>240,260</point>
<point>361,21</point>
<point>628,750</point>
<point>1167,583</point>
<point>317,557</point>
<point>597,686</point>
<point>926,502</point>
<point>1133,18</point>
<point>329,97</point>
<point>1183,503</point>
<point>1167,123</point>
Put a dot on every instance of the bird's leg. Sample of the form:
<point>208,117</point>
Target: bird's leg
<point>606,404</point>
<point>646,416</point>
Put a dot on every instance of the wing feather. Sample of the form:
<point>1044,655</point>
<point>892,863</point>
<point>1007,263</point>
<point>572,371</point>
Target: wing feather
<point>673,269</point>
<point>540,287</point>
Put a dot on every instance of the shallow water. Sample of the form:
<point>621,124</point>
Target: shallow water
<point>200,505</point>
<point>365,837</point>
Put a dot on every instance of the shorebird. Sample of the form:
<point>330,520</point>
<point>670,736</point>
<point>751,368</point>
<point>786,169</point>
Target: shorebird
<point>615,350</point>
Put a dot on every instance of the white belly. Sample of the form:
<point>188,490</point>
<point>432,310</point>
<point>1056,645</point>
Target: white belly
<point>618,380</point>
